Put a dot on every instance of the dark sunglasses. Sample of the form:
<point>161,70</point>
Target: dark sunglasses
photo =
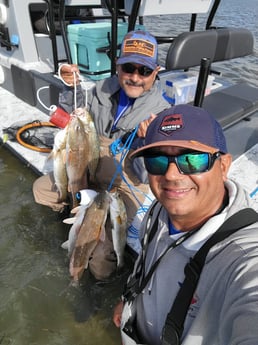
<point>187,163</point>
<point>144,71</point>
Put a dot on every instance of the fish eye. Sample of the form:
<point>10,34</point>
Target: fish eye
<point>78,196</point>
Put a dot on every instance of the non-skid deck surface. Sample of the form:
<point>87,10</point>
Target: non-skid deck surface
<point>16,112</point>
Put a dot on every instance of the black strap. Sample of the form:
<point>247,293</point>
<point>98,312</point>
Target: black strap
<point>174,324</point>
<point>135,284</point>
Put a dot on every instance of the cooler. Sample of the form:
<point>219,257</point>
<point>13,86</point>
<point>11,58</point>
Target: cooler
<point>180,87</point>
<point>85,41</point>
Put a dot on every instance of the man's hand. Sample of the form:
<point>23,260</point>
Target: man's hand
<point>69,73</point>
<point>144,125</point>
<point>117,315</point>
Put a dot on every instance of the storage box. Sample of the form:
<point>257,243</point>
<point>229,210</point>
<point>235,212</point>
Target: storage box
<point>180,87</point>
<point>157,7</point>
<point>86,41</point>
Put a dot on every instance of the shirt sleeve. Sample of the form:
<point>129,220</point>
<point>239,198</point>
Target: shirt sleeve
<point>66,99</point>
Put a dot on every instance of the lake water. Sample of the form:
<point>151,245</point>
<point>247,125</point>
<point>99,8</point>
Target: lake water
<point>37,305</point>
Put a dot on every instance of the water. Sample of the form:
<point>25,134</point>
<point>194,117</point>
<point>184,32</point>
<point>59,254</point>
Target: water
<point>232,13</point>
<point>37,306</point>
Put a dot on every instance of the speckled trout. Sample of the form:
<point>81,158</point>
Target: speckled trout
<point>118,218</point>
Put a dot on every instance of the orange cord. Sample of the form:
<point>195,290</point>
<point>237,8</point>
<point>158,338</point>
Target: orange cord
<point>32,125</point>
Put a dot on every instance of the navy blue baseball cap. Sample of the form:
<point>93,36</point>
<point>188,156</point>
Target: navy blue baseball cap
<point>139,47</point>
<point>184,126</point>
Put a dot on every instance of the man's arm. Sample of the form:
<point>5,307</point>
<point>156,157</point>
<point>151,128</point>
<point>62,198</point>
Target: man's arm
<point>117,315</point>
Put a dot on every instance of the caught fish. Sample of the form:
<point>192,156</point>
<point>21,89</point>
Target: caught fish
<point>118,218</point>
<point>86,197</point>
<point>91,132</point>
<point>77,157</point>
<point>59,166</point>
<point>91,231</point>
<point>75,228</point>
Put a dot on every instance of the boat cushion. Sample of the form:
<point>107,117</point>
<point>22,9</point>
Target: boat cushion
<point>188,48</point>
<point>232,104</point>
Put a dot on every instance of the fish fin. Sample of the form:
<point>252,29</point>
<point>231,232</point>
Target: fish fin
<point>74,284</point>
<point>64,158</point>
<point>70,220</point>
<point>64,245</point>
<point>75,209</point>
<point>102,235</point>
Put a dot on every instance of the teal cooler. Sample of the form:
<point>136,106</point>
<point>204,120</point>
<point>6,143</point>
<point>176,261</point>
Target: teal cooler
<point>85,41</point>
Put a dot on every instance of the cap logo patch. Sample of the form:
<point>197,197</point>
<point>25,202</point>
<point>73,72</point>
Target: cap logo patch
<point>136,46</point>
<point>171,123</point>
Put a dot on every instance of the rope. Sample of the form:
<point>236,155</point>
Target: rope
<point>39,100</point>
<point>74,84</point>
<point>118,147</point>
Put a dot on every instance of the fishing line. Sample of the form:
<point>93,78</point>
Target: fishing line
<point>51,108</point>
<point>74,83</point>
<point>118,147</point>
<point>39,100</point>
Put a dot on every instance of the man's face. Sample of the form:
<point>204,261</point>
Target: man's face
<point>135,84</point>
<point>190,199</point>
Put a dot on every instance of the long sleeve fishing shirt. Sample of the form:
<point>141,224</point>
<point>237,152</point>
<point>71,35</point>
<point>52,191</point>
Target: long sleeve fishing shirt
<point>102,102</point>
<point>224,308</point>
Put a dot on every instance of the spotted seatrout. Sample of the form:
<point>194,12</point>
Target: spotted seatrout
<point>118,218</point>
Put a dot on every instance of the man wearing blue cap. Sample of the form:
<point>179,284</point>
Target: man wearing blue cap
<point>118,105</point>
<point>187,161</point>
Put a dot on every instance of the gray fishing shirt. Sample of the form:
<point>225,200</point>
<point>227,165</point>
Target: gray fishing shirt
<point>102,101</point>
<point>224,308</point>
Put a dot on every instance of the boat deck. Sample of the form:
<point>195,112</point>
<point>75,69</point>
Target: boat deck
<point>16,112</point>
<point>241,139</point>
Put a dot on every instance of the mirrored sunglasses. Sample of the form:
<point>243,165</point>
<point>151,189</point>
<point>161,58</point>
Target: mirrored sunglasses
<point>144,71</point>
<point>187,163</point>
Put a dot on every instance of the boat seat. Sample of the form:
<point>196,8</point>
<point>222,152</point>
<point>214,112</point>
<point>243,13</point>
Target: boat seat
<point>228,105</point>
<point>232,104</point>
<point>188,48</point>
<point>233,43</point>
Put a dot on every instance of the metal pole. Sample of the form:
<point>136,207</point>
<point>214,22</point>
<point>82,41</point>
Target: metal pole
<point>202,81</point>
<point>113,51</point>
<point>61,15</point>
<point>134,14</point>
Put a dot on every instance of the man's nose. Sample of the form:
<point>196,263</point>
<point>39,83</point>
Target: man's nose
<point>173,171</point>
<point>135,75</point>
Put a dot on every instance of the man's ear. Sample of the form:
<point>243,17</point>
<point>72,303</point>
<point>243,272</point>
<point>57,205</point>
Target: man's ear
<point>225,162</point>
